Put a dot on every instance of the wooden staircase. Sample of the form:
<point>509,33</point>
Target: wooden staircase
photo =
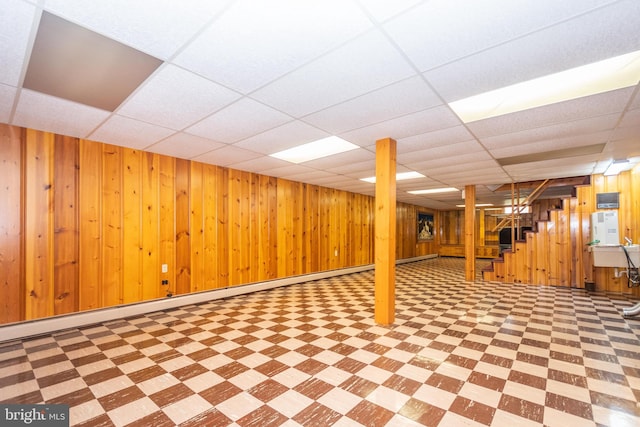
<point>550,255</point>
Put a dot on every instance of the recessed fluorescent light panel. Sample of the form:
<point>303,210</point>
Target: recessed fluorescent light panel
<point>477,205</point>
<point>315,150</point>
<point>399,177</point>
<point>434,190</point>
<point>603,76</point>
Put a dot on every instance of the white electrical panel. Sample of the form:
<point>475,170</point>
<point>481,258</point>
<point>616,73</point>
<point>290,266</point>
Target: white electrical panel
<point>604,228</point>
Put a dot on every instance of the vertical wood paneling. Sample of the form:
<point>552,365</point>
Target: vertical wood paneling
<point>132,226</point>
<point>167,250</point>
<point>112,274</point>
<point>90,225</point>
<point>38,184</point>
<point>223,227</point>
<point>196,227</point>
<point>150,181</point>
<point>65,216</point>
<point>182,218</point>
<point>11,208</point>
<point>210,236</point>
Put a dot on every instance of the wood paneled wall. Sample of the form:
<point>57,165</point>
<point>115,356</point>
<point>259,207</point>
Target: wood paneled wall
<point>87,225</point>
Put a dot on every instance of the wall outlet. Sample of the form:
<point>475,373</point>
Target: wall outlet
<point>165,268</point>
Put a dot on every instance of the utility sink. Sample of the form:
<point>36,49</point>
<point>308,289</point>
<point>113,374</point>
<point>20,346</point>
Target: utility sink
<point>614,255</point>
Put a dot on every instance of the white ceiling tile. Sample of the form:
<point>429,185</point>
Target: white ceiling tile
<point>184,146</point>
<point>7,98</point>
<point>398,99</point>
<point>623,148</point>
<point>347,158</point>
<point>569,130</point>
<point>16,21</point>
<point>260,165</point>
<point>38,111</point>
<point>158,28</point>
<point>227,155</point>
<point>286,136</point>
<point>579,41</point>
<point>355,170</point>
<point>452,167</point>
<point>440,31</point>
<point>255,42</point>
<point>435,154</point>
<point>119,130</point>
<point>288,170</point>
<point>385,9</point>
<point>342,74</point>
<point>399,128</point>
<point>451,135</point>
<point>239,120</point>
<point>581,108</point>
<point>631,118</point>
<point>176,98</point>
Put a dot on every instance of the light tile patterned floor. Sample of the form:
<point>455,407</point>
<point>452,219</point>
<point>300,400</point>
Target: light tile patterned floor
<point>459,354</point>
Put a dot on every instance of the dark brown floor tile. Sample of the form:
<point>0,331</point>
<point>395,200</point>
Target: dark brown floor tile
<point>532,359</point>
<point>220,392</point>
<point>264,416</point>
<point>567,378</point>
<point>230,370</point>
<point>402,384</point>
<point>17,378</point>
<point>146,374</point>
<point>46,361</point>
<point>121,397</point>
<point>317,415</point>
<point>350,365</point>
<point>569,405</point>
<point>463,362</point>
<point>522,408</point>
<point>165,355</point>
<point>75,398</point>
<point>610,377</point>
<point>487,381</point>
<point>475,411</point>
<point>271,368</point>
<point>387,364</point>
<point>445,383</point>
<point>311,366</point>
<point>238,353</point>
<point>369,414</point>
<point>85,360</point>
<point>58,378</point>
<point>267,390</point>
<point>309,350</point>
<point>528,379</point>
<point>189,371</point>
<point>32,397</point>
<point>171,394</point>
<point>422,413</point>
<point>313,388</point>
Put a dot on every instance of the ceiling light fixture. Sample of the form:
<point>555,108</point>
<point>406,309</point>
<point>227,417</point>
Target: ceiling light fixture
<point>315,150</point>
<point>602,76</point>
<point>617,166</point>
<point>433,190</point>
<point>477,205</point>
<point>399,177</point>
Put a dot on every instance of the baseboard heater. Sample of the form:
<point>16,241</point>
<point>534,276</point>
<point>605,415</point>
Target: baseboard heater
<point>52,324</point>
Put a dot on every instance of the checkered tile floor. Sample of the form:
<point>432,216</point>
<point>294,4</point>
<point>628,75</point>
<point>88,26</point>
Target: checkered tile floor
<point>459,354</point>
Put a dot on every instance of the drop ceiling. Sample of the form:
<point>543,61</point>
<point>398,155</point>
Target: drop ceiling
<point>231,82</point>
